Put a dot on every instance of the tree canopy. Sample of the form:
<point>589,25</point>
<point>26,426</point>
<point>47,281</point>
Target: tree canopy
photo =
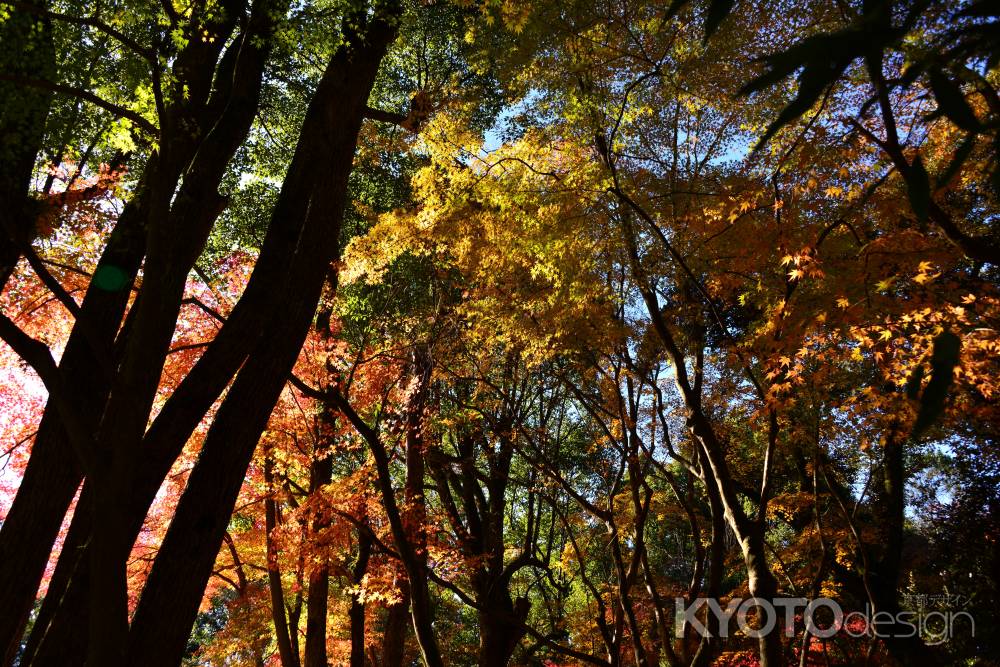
<point>497,332</point>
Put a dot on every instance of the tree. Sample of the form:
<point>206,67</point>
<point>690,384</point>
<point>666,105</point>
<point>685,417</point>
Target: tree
<point>494,333</point>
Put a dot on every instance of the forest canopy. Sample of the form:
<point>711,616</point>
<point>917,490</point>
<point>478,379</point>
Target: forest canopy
<point>499,332</point>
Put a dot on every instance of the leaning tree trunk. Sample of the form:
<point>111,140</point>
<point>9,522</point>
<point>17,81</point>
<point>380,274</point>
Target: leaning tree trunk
<point>170,600</point>
<point>53,473</point>
<point>195,207</point>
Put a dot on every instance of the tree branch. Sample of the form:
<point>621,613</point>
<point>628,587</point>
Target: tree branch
<point>38,355</point>
<point>384,116</point>
<point>93,22</point>
<point>86,95</point>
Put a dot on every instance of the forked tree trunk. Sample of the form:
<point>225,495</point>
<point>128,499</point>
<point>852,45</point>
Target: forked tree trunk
<point>169,602</point>
<point>499,629</point>
<point>195,207</point>
<point>53,473</point>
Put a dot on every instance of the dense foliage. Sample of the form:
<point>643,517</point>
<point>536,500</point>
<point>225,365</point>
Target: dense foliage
<point>497,332</point>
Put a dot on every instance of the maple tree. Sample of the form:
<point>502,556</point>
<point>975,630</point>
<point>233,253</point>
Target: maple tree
<point>390,333</point>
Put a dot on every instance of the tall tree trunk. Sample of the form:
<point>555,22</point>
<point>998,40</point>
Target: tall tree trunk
<point>717,563</point>
<point>414,515</point>
<point>413,556</point>
<point>319,577</point>
<point>283,635</point>
<point>170,599</point>
<point>53,473</point>
<point>885,575</point>
<point>397,622</point>
<point>356,612</point>
<point>235,102</point>
<point>179,224</point>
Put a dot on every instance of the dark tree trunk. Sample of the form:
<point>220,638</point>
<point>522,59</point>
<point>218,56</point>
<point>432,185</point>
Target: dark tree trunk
<point>886,571</point>
<point>235,102</point>
<point>53,473</point>
<point>356,613</point>
<point>407,527</point>
<point>499,632</point>
<point>279,616</point>
<point>414,514</point>
<point>66,568</point>
<point>319,577</point>
<point>170,599</point>
<point>397,621</point>
<point>708,646</point>
<point>178,226</point>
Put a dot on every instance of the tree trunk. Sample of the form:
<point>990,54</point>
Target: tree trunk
<point>53,473</point>
<point>356,613</point>
<point>283,637</point>
<point>195,206</point>
<point>319,577</point>
<point>173,591</point>
<point>396,624</point>
<point>407,527</point>
<point>499,633</point>
<point>885,575</point>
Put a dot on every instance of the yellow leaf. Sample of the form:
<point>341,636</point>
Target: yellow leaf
<point>883,285</point>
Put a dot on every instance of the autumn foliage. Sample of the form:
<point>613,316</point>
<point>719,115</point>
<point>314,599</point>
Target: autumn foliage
<point>498,333</point>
